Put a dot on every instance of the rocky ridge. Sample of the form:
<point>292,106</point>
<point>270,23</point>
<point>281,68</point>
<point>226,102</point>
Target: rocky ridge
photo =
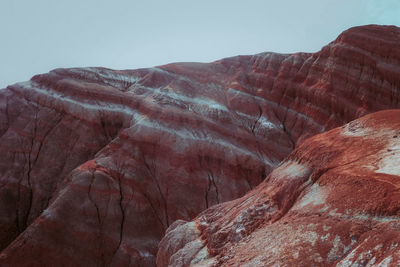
<point>333,202</point>
<point>96,164</point>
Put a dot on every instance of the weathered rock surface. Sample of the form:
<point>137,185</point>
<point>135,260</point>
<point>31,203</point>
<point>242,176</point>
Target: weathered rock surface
<point>335,201</point>
<point>96,164</point>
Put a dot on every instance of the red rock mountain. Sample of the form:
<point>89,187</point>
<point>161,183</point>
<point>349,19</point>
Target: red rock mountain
<point>335,201</point>
<point>96,164</point>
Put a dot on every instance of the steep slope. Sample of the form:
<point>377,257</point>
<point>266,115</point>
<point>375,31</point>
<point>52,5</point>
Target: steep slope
<point>96,164</point>
<point>335,201</point>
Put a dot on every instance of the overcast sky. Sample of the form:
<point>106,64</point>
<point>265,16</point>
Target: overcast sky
<point>37,36</point>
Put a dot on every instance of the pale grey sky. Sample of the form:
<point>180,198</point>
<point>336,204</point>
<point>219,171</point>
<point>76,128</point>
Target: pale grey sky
<point>37,36</point>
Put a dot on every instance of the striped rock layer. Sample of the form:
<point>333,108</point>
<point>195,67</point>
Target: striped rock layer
<point>334,201</point>
<point>96,164</point>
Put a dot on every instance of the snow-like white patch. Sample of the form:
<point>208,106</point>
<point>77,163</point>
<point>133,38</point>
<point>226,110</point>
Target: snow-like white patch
<point>360,129</point>
<point>389,157</point>
<point>315,196</point>
<point>390,163</point>
<point>265,123</point>
<point>356,129</point>
<point>293,170</point>
<point>310,236</point>
<point>193,248</point>
<point>201,256</point>
<point>282,240</point>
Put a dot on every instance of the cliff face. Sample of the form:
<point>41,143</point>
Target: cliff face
<point>96,164</point>
<point>333,202</point>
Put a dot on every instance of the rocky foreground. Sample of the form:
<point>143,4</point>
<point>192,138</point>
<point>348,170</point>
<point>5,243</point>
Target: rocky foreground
<point>97,164</point>
<point>335,201</point>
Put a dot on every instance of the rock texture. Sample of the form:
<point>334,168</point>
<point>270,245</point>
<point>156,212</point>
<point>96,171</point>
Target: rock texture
<point>96,164</point>
<point>335,201</point>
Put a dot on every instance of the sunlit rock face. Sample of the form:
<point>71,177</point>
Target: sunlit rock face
<point>96,164</point>
<point>333,202</point>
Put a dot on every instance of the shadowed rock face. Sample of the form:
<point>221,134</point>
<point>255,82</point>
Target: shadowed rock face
<point>335,201</point>
<point>96,164</point>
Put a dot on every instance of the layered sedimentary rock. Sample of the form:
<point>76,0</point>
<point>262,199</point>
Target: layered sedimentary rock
<point>96,164</point>
<point>335,201</point>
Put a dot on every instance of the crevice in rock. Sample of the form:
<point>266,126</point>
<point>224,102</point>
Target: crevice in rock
<point>260,113</point>
<point>212,181</point>
<point>91,199</point>
<point>152,170</point>
<point>32,161</point>
<point>153,209</point>
<point>98,215</point>
<point>286,131</point>
<point>30,166</point>
<point>120,203</point>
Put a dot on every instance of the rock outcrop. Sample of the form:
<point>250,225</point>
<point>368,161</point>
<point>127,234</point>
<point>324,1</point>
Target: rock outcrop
<point>96,164</point>
<point>335,201</point>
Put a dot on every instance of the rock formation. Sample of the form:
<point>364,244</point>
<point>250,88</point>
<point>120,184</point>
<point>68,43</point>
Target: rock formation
<point>96,164</point>
<point>335,201</point>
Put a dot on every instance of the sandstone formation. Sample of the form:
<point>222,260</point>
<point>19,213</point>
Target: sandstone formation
<point>335,201</point>
<point>96,164</point>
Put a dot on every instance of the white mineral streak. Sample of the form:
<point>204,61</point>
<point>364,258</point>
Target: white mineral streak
<point>181,98</point>
<point>388,159</point>
<point>86,108</point>
<point>293,169</point>
<point>74,106</point>
<point>229,147</point>
<point>314,196</point>
<point>390,163</point>
<point>110,77</point>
